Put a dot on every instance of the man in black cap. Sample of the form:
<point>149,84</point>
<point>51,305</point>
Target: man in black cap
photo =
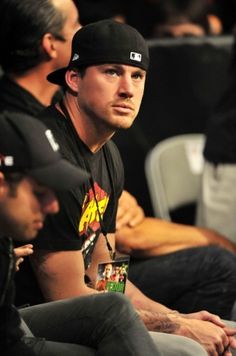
<point>30,167</point>
<point>104,85</point>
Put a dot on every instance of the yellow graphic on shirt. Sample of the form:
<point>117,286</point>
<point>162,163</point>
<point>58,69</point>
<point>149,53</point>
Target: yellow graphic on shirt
<point>90,220</point>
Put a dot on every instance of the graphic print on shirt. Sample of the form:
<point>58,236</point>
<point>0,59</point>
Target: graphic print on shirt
<point>89,226</point>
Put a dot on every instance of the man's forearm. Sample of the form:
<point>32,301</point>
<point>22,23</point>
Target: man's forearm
<point>212,336</point>
<point>159,322</point>
<point>160,236</point>
<point>155,237</point>
<point>214,238</point>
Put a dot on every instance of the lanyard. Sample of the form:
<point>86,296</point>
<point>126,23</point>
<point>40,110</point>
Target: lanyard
<point>91,180</point>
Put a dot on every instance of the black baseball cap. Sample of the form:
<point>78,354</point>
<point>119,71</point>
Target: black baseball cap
<point>105,41</point>
<point>28,146</point>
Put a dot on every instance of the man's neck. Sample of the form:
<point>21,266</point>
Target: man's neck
<point>94,136</point>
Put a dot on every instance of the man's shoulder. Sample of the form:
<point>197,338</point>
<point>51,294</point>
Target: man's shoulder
<point>56,122</point>
<point>113,154</point>
<point>111,148</point>
<point>13,97</point>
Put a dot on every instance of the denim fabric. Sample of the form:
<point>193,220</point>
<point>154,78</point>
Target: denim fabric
<point>174,345</point>
<point>189,280</point>
<point>106,323</point>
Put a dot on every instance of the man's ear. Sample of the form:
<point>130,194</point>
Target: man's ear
<point>49,45</point>
<point>72,79</point>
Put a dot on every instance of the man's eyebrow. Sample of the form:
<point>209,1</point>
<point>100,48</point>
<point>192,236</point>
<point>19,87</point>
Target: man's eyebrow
<point>121,66</point>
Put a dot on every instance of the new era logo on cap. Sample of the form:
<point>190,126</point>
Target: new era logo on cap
<point>136,56</point>
<point>75,57</point>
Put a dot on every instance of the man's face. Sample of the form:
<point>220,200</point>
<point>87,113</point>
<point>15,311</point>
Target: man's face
<point>108,271</point>
<point>110,95</point>
<point>23,209</point>
<point>117,270</point>
<point>68,9</point>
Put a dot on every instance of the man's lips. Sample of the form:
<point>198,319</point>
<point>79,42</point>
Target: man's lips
<point>38,224</point>
<point>123,107</point>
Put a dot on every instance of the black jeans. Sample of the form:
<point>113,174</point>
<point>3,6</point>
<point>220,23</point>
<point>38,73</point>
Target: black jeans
<point>194,279</point>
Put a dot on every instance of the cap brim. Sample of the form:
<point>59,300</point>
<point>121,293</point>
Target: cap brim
<point>57,77</point>
<point>61,175</point>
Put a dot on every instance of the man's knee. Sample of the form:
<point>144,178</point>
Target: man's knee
<point>224,259</point>
<point>119,304</point>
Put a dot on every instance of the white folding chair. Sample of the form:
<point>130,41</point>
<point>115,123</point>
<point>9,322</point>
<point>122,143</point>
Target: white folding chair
<point>173,169</point>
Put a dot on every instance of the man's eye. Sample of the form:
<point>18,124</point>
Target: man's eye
<point>112,72</point>
<point>138,76</point>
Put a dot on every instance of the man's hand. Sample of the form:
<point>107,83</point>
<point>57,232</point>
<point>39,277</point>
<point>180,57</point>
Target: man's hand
<point>215,319</point>
<point>216,340</point>
<point>213,335</point>
<point>21,252</point>
<point>129,212</point>
<point>206,316</point>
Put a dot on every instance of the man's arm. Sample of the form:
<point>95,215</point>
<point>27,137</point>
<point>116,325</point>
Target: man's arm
<point>217,340</point>
<point>129,213</point>
<point>203,327</point>
<point>152,236</point>
<point>60,274</point>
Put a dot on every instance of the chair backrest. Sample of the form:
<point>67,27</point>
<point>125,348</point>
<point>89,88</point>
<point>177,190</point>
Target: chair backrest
<point>173,169</point>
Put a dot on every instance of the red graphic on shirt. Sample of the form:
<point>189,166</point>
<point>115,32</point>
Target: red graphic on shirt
<point>90,220</point>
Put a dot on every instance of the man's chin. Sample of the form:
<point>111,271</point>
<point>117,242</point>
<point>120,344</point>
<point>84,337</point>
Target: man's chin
<point>124,126</point>
<point>26,237</point>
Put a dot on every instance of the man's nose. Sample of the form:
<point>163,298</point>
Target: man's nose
<point>126,88</point>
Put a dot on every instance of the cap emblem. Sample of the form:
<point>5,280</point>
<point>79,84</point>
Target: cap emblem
<point>75,57</point>
<point>136,56</point>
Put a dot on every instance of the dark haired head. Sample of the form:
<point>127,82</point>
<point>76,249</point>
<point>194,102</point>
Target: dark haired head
<point>23,24</point>
<point>176,12</point>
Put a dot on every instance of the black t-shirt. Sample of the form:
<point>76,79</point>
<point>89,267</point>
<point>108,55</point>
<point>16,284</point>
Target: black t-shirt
<point>221,130</point>
<point>77,225</point>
